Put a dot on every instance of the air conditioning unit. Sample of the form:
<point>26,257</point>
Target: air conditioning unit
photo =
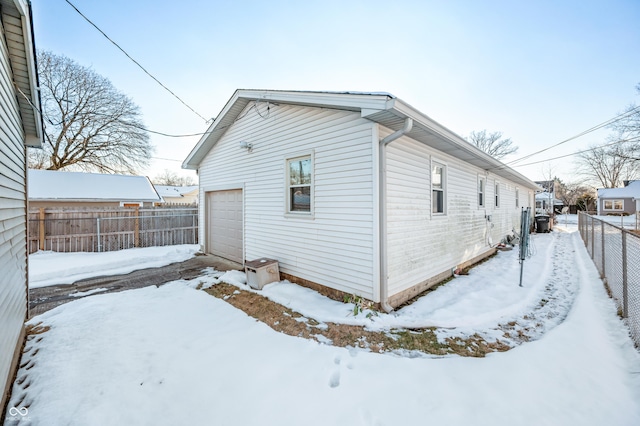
<point>261,272</point>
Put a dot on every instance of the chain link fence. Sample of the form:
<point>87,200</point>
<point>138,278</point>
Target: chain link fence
<point>100,230</point>
<point>616,254</point>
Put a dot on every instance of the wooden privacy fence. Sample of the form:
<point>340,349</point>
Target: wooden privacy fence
<point>98,230</point>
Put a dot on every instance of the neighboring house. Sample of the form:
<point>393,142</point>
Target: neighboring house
<point>354,192</point>
<point>56,189</point>
<point>20,126</point>
<point>620,200</point>
<point>546,203</point>
<point>178,194</point>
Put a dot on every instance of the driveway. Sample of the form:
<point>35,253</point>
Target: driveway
<point>46,298</point>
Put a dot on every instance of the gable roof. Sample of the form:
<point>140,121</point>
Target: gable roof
<point>18,32</point>
<point>52,185</point>
<point>174,191</point>
<point>630,191</point>
<point>379,107</point>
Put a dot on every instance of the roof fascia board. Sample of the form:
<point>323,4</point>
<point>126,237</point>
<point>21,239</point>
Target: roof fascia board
<point>492,165</point>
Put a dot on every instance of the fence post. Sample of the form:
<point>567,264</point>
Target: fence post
<point>98,232</point>
<point>41,236</point>
<point>603,275</point>
<point>136,227</point>
<point>593,252</point>
<point>625,287</point>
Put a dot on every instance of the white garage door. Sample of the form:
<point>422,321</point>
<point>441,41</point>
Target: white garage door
<point>224,224</point>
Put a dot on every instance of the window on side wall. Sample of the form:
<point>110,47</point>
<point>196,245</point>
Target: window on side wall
<point>614,205</point>
<point>497,194</point>
<point>517,198</point>
<point>299,184</point>
<point>481,191</point>
<point>438,188</point>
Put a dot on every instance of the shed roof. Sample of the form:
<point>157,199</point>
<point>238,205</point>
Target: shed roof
<point>52,185</point>
<point>630,191</point>
<point>18,32</point>
<point>380,107</point>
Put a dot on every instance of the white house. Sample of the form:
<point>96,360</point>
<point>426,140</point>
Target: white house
<point>624,200</point>
<point>178,194</point>
<point>54,188</point>
<point>20,126</point>
<point>355,193</point>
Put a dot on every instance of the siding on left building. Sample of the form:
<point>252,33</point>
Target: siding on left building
<point>20,126</point>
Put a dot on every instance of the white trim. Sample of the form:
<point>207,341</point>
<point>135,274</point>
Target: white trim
<point>613,204</point>
<point>482,204</point>
<point>287,197</point>
<point>443,165</point>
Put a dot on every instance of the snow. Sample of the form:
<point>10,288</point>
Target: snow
<point>77,186</point>
<point>50,268</point>
<point>630,191</point>
<point>176,355</point>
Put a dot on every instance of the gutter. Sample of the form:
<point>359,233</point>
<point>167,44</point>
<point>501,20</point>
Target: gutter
<point>382,159</point>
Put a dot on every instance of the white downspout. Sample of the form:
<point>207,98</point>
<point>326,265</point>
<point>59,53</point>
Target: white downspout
<point>408,125</point>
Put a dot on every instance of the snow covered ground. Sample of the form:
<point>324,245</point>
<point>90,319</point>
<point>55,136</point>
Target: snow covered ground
<point>49,268</point>
<point>175,355</point>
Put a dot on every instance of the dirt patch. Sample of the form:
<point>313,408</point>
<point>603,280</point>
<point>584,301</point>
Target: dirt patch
<point>286,321</point>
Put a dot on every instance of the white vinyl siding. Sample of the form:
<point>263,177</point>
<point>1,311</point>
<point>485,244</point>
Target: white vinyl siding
<point>421,245</point>
<point>334,247</point>
<point>13,251</point>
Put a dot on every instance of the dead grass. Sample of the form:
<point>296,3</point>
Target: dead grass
<point>286,321</point>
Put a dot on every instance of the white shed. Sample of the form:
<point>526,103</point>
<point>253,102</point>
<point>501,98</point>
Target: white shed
<point>355,193</point>
<point>20,125</point>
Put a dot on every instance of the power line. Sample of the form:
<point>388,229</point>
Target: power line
<point>592,129</point>
<point>634,139</point>
<point>135,62</point>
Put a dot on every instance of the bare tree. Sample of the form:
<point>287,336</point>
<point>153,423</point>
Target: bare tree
<point>610,164</point>
<point>493,143</point>
<point>89,125</point>
<point>167,177</point>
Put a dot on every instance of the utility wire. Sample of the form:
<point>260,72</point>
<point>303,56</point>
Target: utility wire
<point>634,139</point>
<point>135,62</point>
<point>592,129</point>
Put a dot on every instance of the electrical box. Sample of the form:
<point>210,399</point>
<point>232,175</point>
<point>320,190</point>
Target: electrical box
<point>261,272</point>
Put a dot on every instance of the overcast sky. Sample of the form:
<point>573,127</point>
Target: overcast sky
<point>539,71</point>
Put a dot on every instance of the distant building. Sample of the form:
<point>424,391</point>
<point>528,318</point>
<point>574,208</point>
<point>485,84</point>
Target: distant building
<point>56,189</point>
<point>178,194</point>
<point>620,200</point>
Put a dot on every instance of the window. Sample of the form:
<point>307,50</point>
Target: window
<point>497,194</point>
<point>517,198</point>
<point>613,204</point>
<point>299,180</point>
<point>437,188</point>
<point>481,192</point>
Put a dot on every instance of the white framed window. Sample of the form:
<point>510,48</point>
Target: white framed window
<point>299,185</point>
<point>438,188</point>
<point>496,194</point>
<point>614,205</point>
<point>481,191</point>
<point>517,198</point>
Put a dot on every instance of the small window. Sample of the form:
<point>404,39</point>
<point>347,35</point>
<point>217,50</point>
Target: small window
<point>497,195</point>
<point>613,205</point>
<point>517,198</point>
<point>481,188</point>
<point>299,180</point>
<point>437,188</point>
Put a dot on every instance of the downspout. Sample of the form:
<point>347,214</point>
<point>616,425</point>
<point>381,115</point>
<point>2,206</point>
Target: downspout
<point>382,158</point>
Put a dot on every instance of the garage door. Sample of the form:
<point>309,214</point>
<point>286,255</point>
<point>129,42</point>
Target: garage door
<point>224,224</point>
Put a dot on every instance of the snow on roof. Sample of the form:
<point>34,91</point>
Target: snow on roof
<point>77,186</point>
<point>174,191</point>
<point>544,196</point>
<point>630,191</point>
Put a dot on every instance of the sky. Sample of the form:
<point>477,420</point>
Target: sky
<point>540,72</point>
<point>209,363</point>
